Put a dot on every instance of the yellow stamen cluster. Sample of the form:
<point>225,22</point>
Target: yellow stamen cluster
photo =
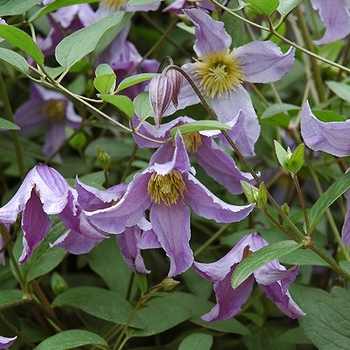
<point>219,72</point>
<point>54,110</point>
<point>113,4</point>
<point>192,141</point>
<point>166,188</point>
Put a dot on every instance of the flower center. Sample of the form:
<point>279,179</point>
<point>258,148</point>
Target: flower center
<point>192,141</point>
<point>166,188</point>
<point>54,111</point>
<point>219,73</point>
<point>113,4</point>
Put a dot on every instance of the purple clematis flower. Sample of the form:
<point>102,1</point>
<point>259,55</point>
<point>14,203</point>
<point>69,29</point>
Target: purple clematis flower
<point>208,154</point>
<point>321,136</point>
<point>51,108</point>
<point>272,278</point>
<point>167,189</point>
<point>336,18</point>
<point>6,342</point>
<point>43,192</point>
<point>219,73</point>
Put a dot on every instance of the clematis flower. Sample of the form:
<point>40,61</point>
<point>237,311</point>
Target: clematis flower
<point>220,72</point>
<point>6,342</point>
<point>336,18</point>
<point>51,108</point>
<point>208,154</point>
<point>272,278</point>
<point>107,7</point>
<point>43,192</point>
<point>321,136</point>
<point>166,190</point>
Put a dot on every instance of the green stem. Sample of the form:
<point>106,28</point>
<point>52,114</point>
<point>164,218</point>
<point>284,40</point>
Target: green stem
<point>14,133</point>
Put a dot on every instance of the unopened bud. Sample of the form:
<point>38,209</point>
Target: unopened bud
<point>175,78</point>
<point>103,158</point>
<point>168,283</point>
<point>58,284</point>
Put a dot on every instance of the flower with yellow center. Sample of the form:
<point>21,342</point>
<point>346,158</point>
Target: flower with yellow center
<point>219,73</point>
<point>113,5</point>
<point>192,141</point>
<point>54,110</point>
<point>166,188</point>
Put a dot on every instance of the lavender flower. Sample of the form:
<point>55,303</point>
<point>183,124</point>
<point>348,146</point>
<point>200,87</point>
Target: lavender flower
<point>164,188</point>
<point>6,342</point>
<point>336,18</point>
<point>272,278</point>
<point>43,192</point>
<point>51,108</point>
<point>208,154</point>
<point>321,136</point>
<point>219,73</point>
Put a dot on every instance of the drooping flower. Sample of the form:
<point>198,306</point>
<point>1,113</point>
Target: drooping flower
<point>336,18</point>
<point>219,73</point>
<point>43,192</point>
<point>167,189</point>
<point>51,108</point>
<point>6,342</point>
<point>272,278</point>
<point>329,137</point>
<point>209,155</point>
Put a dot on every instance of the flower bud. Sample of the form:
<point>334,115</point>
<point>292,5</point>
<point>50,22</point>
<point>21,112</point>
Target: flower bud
<point>103,158</point>
<point>168,283</point>
<point>175,78</point>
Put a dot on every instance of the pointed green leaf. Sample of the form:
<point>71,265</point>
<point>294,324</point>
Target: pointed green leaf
<point>263,6</point>
<point>200,125</point>
<point>142,105</point>
<point>101,303</point>
<point>71,339</point>
<point>14,59</point>
<point>22,40</point>
<point>286,6</point>
<point>340,89</point>
<point>337,188</point>
<point>281,153</point>
<point>15,7</point>
<point>121,102</point>
<point>141,2</point>
<point>277,109</point>
<point>105,83</point>
<point>77,45</point>
<point>296,161</point>
<point>5,124</point>
<point>261,257</point>
<point>135,79</point>
<point>197,341</point>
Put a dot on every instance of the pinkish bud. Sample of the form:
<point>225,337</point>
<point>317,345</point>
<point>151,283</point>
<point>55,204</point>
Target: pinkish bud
<point>175,78</point>
<point>160,95</point>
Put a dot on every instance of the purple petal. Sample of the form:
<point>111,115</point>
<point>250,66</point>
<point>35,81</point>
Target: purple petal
<point>346,226</point>
<point>75,243</point>
<point>336,18</point>
<point>275,292</point>
<point>331,137</point>
<point>35,225</point>
<point>264,62</point>
<point>128,211</point>
<point>210,35</point>
<point>171,224</point>
<point>220,166</point>
<point>206,204</point>
<point>6,342</point>
<point>239,106</point>
<point>149,240</point>
<point>228,300</point>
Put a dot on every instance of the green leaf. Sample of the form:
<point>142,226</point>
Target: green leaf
<point>5,124</point>
<point>296,161</point>
<point>101,303</point>
<point>141,2</point>
<point>327,320</point>
<point>158,317</point>
<point>142,105</point>
<point>71,339</point>
<point>340,89</point>
<point>22,40</point>
<point>328,116</point>
<point>14,59</point>
<point>135,79</point>
<point>121,102</point>
<point>77,45</point>
<point>263,6</point>
<point>105,83</point>
<point>7,297</point>
<point>286,6</point>
<point>281,153</point>
<point>277,109</point>
<point>199,125</point>
<point>15,7</point>
<point>54,6</point>
<point>197,341</point>
<point>337,188</point>
<point>261,257</point>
